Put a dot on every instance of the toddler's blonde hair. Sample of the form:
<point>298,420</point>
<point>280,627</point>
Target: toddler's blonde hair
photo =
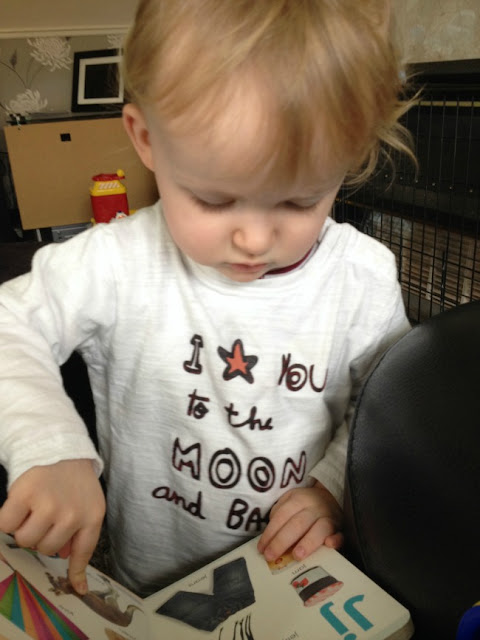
<point>332,62</point>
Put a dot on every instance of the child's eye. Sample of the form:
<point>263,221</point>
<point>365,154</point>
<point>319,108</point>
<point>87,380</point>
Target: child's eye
<point>212,206</point>
<point>297,206</point>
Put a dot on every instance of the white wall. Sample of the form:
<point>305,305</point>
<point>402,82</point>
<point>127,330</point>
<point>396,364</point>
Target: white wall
<point>429,29</point>
<point>436,30</point>
<point>24,18</point>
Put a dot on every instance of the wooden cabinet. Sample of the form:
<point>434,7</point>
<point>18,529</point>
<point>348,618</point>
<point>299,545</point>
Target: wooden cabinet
<point>53,164</point>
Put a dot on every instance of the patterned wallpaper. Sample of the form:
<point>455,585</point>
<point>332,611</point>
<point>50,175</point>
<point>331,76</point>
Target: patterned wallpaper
<point>36,74</point>
<point>435,30</point>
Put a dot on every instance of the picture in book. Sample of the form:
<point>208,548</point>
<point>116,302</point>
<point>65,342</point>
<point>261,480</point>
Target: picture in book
<point>37,601</point>
<point>242,597</point>
<point>238,597</point>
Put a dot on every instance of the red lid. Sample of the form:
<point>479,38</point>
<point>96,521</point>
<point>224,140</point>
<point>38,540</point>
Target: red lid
<point>107,177</point>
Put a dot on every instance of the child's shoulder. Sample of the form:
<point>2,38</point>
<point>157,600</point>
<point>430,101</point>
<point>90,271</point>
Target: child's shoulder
<point>144,223</point>
<point>104,246</point>
<point>138,234</point>
<point>357,247</point>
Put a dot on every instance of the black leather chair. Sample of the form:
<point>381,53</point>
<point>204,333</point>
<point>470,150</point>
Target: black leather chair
<point>412,503</point>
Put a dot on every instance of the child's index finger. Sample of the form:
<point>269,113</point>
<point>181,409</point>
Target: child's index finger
<point>82,547</point>
<point>78,581</point>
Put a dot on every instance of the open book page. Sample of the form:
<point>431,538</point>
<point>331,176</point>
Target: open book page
<point>241,596</point>
<point>238,597</point>
<point>36,601</point>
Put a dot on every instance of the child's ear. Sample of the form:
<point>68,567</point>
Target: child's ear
<point>137,130</point>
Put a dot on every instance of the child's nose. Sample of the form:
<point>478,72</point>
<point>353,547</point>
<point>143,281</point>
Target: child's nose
<point>255,235</point>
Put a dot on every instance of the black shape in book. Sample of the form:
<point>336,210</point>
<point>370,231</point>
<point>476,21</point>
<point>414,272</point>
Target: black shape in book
<point>232,591</point>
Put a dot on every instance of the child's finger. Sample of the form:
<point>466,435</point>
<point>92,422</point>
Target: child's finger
<point>12,515</point>
<point>334,541</point>
<point>31,534</point>
<point>292,530</point>
<point>66,550</point>
<point>271,531</point>
<point>51,541</point>
<point>78,578</point>
<point>287,507</point>
<point>313,539</point>
<point>34,532</point>
<point>82,547</point>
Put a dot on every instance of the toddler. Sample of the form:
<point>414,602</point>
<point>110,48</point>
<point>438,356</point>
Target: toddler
<point>227,328</point>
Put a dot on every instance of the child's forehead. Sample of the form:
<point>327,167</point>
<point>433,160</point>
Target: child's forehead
<point>241,109</point>
<point>244,161</point>
<point>239,134</point>
<point>333,97</point>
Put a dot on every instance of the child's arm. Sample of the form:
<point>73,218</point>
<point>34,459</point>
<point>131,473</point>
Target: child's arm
<point>57,508</point>
<point>306,518</point>
<point>303,519</point>
<point>44,316</point>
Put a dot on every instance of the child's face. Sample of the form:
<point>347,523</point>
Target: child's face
<point>218,211</point>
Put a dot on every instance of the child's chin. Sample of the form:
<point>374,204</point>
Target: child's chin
<point>241,278</point>
<point>236,276</point>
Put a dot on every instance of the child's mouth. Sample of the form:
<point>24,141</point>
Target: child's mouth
<point>248,268</point>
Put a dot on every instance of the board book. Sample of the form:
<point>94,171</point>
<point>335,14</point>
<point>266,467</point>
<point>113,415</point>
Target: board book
<point>238,597</point>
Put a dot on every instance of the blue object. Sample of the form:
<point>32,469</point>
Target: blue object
<point>469,627</point>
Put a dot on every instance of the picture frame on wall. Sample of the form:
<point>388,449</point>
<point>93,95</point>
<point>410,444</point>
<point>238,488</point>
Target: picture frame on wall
<point>97,82</point>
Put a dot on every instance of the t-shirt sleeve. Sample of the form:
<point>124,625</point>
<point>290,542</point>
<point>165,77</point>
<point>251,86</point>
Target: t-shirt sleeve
<point>381,324</point>
<point>43,318</point>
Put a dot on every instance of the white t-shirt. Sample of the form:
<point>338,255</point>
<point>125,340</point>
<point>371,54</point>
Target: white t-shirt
<point>213,397</point>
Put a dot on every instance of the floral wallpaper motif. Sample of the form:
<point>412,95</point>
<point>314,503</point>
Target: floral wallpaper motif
<point>45,54</point>
<point>51,52</point>
<point>36,74</point>
<point>115,41</point>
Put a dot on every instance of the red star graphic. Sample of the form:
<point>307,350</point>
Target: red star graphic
<point>238,364</point>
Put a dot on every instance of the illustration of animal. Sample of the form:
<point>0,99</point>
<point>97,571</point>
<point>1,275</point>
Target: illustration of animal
<point>103,603</point>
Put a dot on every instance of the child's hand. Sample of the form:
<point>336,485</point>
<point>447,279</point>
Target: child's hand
<point>303,519</point>
<point>57,508</point>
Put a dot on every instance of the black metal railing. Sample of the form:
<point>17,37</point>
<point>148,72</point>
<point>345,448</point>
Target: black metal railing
<point>430,216</point>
